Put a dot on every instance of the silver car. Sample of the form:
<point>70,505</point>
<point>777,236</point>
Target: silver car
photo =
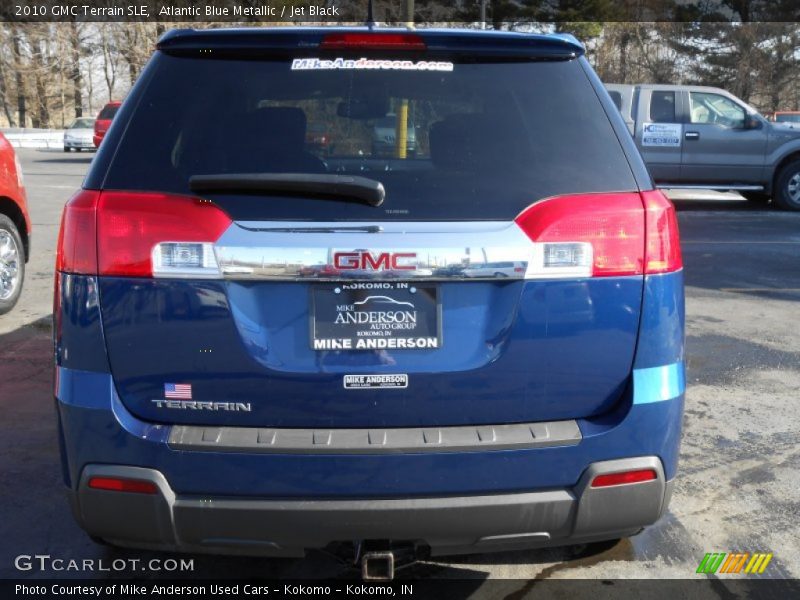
<point>494,269</point>
<point>79,135</point>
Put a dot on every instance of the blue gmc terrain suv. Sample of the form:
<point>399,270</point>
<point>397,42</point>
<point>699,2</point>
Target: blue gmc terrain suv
<point>265,344</point>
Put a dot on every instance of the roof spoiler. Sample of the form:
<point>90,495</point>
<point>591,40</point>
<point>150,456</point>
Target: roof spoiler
<point>307,40</point>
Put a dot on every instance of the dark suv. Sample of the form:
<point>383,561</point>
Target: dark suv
<point>263,347</point>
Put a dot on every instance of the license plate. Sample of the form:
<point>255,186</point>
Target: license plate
<point>375,316</point>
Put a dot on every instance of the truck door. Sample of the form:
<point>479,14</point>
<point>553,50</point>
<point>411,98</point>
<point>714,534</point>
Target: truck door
<point>721,144</point>
<point>659,133</point>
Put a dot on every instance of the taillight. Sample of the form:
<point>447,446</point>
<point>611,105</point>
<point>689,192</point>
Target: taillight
<point>133,234</point>
<point>372,41</point>
<point>624,478</point>
<point>663,244</point>
<point>120,484</point>
<point>77,239</point>
<point>144,234</point>
<point>602,235</point>
<point>587,235</point>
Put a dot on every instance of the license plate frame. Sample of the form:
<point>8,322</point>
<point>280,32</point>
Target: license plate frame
<point>356,316</point>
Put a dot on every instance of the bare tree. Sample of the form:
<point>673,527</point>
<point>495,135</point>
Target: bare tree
<point>6,70</point>
<point>16,44</point>
<point>76,76</point>
<point>110,59</point>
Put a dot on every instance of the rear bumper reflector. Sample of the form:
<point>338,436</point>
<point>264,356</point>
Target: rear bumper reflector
<point>119,484</point>
<point>624,478</point>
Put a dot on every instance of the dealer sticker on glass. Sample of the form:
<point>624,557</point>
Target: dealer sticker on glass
<point>375,316</point>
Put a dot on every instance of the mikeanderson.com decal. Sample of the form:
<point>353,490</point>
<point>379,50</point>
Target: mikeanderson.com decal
<point>366,382</point>
<point>321,64</point>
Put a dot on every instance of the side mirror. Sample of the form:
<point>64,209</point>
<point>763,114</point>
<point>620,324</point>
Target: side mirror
<point>751,122</point>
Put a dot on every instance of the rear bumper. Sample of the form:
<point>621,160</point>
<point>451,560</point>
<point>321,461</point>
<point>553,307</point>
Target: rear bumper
<point>448,525</point>
<point>88,144</point>
<point>220,494</point>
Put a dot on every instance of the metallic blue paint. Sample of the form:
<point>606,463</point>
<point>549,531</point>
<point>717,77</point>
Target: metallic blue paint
<point>98,428</point>
<point>510,353</point>
<point>79,342</point>
<point>663,316</point>
<point>110,435</point>
<point>656,384</point>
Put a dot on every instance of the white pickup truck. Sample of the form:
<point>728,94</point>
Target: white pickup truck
<point>705,138</point>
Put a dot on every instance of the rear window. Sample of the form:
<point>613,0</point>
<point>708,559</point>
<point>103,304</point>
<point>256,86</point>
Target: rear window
<point>616,97</point>
<point>108,112</point>
<point>82,124</point>
<point>483,140</point>
<point>662,107</point>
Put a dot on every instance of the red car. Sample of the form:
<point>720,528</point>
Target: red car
<point>15,227</point>
<point>103,121</point>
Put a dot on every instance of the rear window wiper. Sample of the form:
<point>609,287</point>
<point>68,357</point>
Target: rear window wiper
<point>324,186</point>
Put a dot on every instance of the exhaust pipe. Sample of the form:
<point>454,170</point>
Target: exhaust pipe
<point>377,566</point>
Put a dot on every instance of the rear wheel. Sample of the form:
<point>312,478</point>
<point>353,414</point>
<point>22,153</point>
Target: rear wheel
<point>12,264</point>
<point>67,148</point>
<point>787,187</point>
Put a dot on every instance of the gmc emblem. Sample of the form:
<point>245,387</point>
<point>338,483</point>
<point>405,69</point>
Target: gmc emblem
<point>383,261</point>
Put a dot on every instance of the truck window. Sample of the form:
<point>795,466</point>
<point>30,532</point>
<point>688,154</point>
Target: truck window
<point>662,107</point>
<point>716,109</point>
<point>617,98</point>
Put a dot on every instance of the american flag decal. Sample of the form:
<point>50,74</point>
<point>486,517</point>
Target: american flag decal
<point>178,390</point>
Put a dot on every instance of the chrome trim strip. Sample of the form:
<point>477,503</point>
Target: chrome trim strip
<point>375,441</point>
<point>444,250</point>
<point>720,187</point>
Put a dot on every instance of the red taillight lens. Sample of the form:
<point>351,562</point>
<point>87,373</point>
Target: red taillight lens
<point>629,233</point>
<point>372,41</point>
<point>612,223</point>
<point>119,484</point>
<point>77,239</point>
<point>663,247</point>
<point>130,225</point>
<point>115,233</point>
<point>624,478</point>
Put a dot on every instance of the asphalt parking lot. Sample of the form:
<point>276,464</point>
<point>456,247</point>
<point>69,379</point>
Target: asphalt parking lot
<point>738,487</point>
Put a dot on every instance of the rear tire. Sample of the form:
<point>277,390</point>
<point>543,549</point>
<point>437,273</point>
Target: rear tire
<point>66,149</point>
<point>12,264</point>
<point>787,187</point>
